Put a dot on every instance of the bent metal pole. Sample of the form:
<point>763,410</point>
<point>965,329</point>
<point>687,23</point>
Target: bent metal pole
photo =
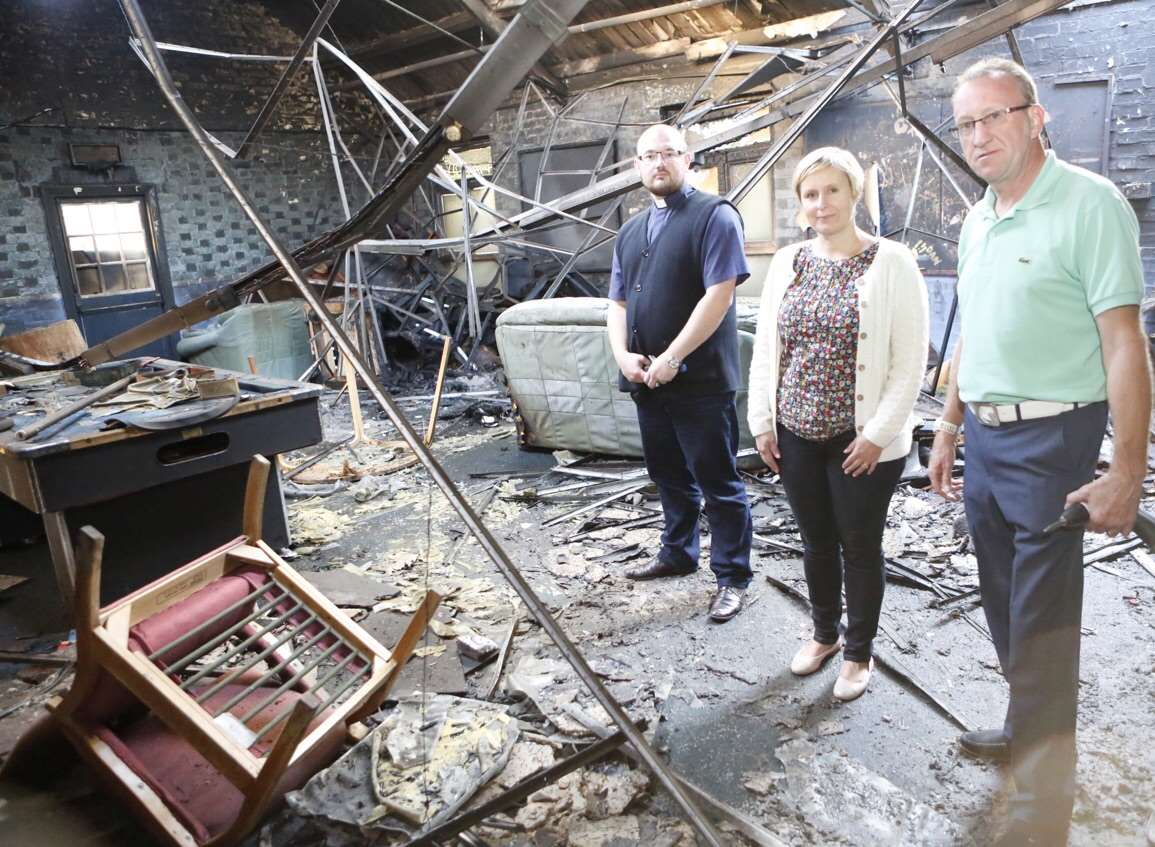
<point>492,80</point>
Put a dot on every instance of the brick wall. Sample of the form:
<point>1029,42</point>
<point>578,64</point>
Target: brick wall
<point>1116,39</point>
<point>1087,41</point>
<point>73,57</point>
<point>208,239</point>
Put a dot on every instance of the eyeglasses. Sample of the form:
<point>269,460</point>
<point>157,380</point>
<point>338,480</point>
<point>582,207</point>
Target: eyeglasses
<point>966,129</point>
<point>651,157</point>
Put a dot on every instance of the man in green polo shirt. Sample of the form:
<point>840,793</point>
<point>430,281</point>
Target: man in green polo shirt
<point>1049,287</point>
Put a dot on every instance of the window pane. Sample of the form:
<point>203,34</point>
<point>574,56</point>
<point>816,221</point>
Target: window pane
<point>705,179</point>
<point>133,246</point>
<point>757,207</point>
<point>88,281</point>
<point>115,279</point>
<point>138,276</point>
<point>103,217</point>
<point>128,217</point>
<point>107,248</point>
<point>83,251</point>
<point>76,220</point>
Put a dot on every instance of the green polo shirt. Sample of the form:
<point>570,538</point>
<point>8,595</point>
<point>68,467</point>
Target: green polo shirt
<point>1031,283</point>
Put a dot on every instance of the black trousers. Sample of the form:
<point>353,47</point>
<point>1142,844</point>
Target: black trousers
<point>841,519</point>
<point>1017,478</point>
<point>689,444</point>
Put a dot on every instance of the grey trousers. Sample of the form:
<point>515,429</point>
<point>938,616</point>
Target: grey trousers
<point>1017,477</point>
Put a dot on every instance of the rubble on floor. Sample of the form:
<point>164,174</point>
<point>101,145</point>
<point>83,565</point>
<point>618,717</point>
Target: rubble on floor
<point>488,701</point>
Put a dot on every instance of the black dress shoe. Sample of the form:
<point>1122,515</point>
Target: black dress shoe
<point>990,744</point>
<point>726,603</point>
<point>656,568</point>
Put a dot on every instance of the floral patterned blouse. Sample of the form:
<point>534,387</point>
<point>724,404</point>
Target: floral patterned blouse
<point>818,328</point>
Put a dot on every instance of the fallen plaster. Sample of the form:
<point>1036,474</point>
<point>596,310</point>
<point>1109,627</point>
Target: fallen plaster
<point>718,699</point>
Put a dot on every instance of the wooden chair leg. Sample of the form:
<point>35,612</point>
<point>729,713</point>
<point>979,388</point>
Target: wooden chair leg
<point>43,748</point>
<point>86,613</point>
<point>89,559</point>
<point>254,516</point>
<point>404,648</point>
<point>263,793</point>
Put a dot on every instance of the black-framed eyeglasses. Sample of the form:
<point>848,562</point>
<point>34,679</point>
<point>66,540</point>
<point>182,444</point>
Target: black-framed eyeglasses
<point>651,157</point>
<point>965,129</point>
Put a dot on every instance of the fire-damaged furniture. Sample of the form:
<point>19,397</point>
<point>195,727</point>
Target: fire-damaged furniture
<point>205,696</point>
<point>275,335</point>
<point>564,381</point>
<point>162,488</point>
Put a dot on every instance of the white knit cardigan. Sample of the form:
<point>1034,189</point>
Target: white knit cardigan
<point>892,346</point>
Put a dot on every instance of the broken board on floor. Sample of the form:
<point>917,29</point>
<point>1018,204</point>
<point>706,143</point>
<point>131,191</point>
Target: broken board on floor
<point>439,674</point>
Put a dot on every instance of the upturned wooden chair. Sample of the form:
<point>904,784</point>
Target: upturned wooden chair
<point>205,696</point>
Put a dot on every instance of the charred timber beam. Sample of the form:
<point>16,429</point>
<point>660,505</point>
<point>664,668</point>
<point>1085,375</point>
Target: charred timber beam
<point>454,23</point>
<point>645,15</point>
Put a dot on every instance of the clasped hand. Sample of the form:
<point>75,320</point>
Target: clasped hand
<point>660,372</point>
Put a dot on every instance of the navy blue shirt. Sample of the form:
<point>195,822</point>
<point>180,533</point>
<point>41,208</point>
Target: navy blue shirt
<point>723,256</point>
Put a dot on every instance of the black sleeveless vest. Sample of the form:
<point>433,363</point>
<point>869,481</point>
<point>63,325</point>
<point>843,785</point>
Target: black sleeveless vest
<point>663,283</point>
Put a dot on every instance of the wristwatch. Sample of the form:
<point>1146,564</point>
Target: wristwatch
<point>672,361</point>
<point>946,426</point>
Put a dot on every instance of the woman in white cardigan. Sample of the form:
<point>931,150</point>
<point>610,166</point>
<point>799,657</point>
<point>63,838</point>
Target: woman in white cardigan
<point>839,355</point>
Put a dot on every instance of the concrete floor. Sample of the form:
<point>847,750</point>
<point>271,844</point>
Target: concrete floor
<point>881,770</point>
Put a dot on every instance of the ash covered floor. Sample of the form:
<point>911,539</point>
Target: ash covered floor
<point>721,704</point>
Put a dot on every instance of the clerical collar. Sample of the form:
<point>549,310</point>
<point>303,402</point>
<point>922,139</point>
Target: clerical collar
<point>676,199</point>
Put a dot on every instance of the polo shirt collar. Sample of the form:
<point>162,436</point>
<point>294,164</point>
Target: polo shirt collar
<point>1037,195</point>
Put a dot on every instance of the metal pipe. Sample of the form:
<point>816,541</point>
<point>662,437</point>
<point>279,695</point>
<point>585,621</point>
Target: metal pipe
<point>237,670</point>
<point>288,710</point>
<point>645,15</point>
<point>204,648</point>
<point>796,129</point>
<point>618,495</point>
<point>481,106</point>
<point>942,346</point>
<point>472,305</point>
<point>703,85</point>
<point>532,783</point>
<point>265,630</point>
<point>296,676</point>
<point>37,427</point>
<point>287,75</point>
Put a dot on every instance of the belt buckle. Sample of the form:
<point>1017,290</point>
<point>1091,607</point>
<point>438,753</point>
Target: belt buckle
<point>987,413</point>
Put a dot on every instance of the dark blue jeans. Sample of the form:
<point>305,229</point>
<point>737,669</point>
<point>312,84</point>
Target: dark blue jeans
<point>689,445</point>
<point>841,519</point>
<point>1017,478</point>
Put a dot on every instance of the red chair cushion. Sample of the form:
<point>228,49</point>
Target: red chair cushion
<point>193,790</point>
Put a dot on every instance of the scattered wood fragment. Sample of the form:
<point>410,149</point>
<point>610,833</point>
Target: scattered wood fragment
<point>10,581</point>
<point>36,658</point>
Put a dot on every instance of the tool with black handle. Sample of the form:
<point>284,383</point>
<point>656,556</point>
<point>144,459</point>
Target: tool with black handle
<point>1077,517</point>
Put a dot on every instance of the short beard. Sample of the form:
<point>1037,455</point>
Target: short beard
<point>664,190</point>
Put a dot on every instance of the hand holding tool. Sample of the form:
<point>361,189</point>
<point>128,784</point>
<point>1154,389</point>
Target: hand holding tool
<point>1077,517</point>
<point>1073,517</point>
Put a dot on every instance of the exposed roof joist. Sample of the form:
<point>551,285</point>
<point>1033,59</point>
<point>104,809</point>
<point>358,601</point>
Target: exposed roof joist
<point>960,38</point>
<point>457,22</point>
